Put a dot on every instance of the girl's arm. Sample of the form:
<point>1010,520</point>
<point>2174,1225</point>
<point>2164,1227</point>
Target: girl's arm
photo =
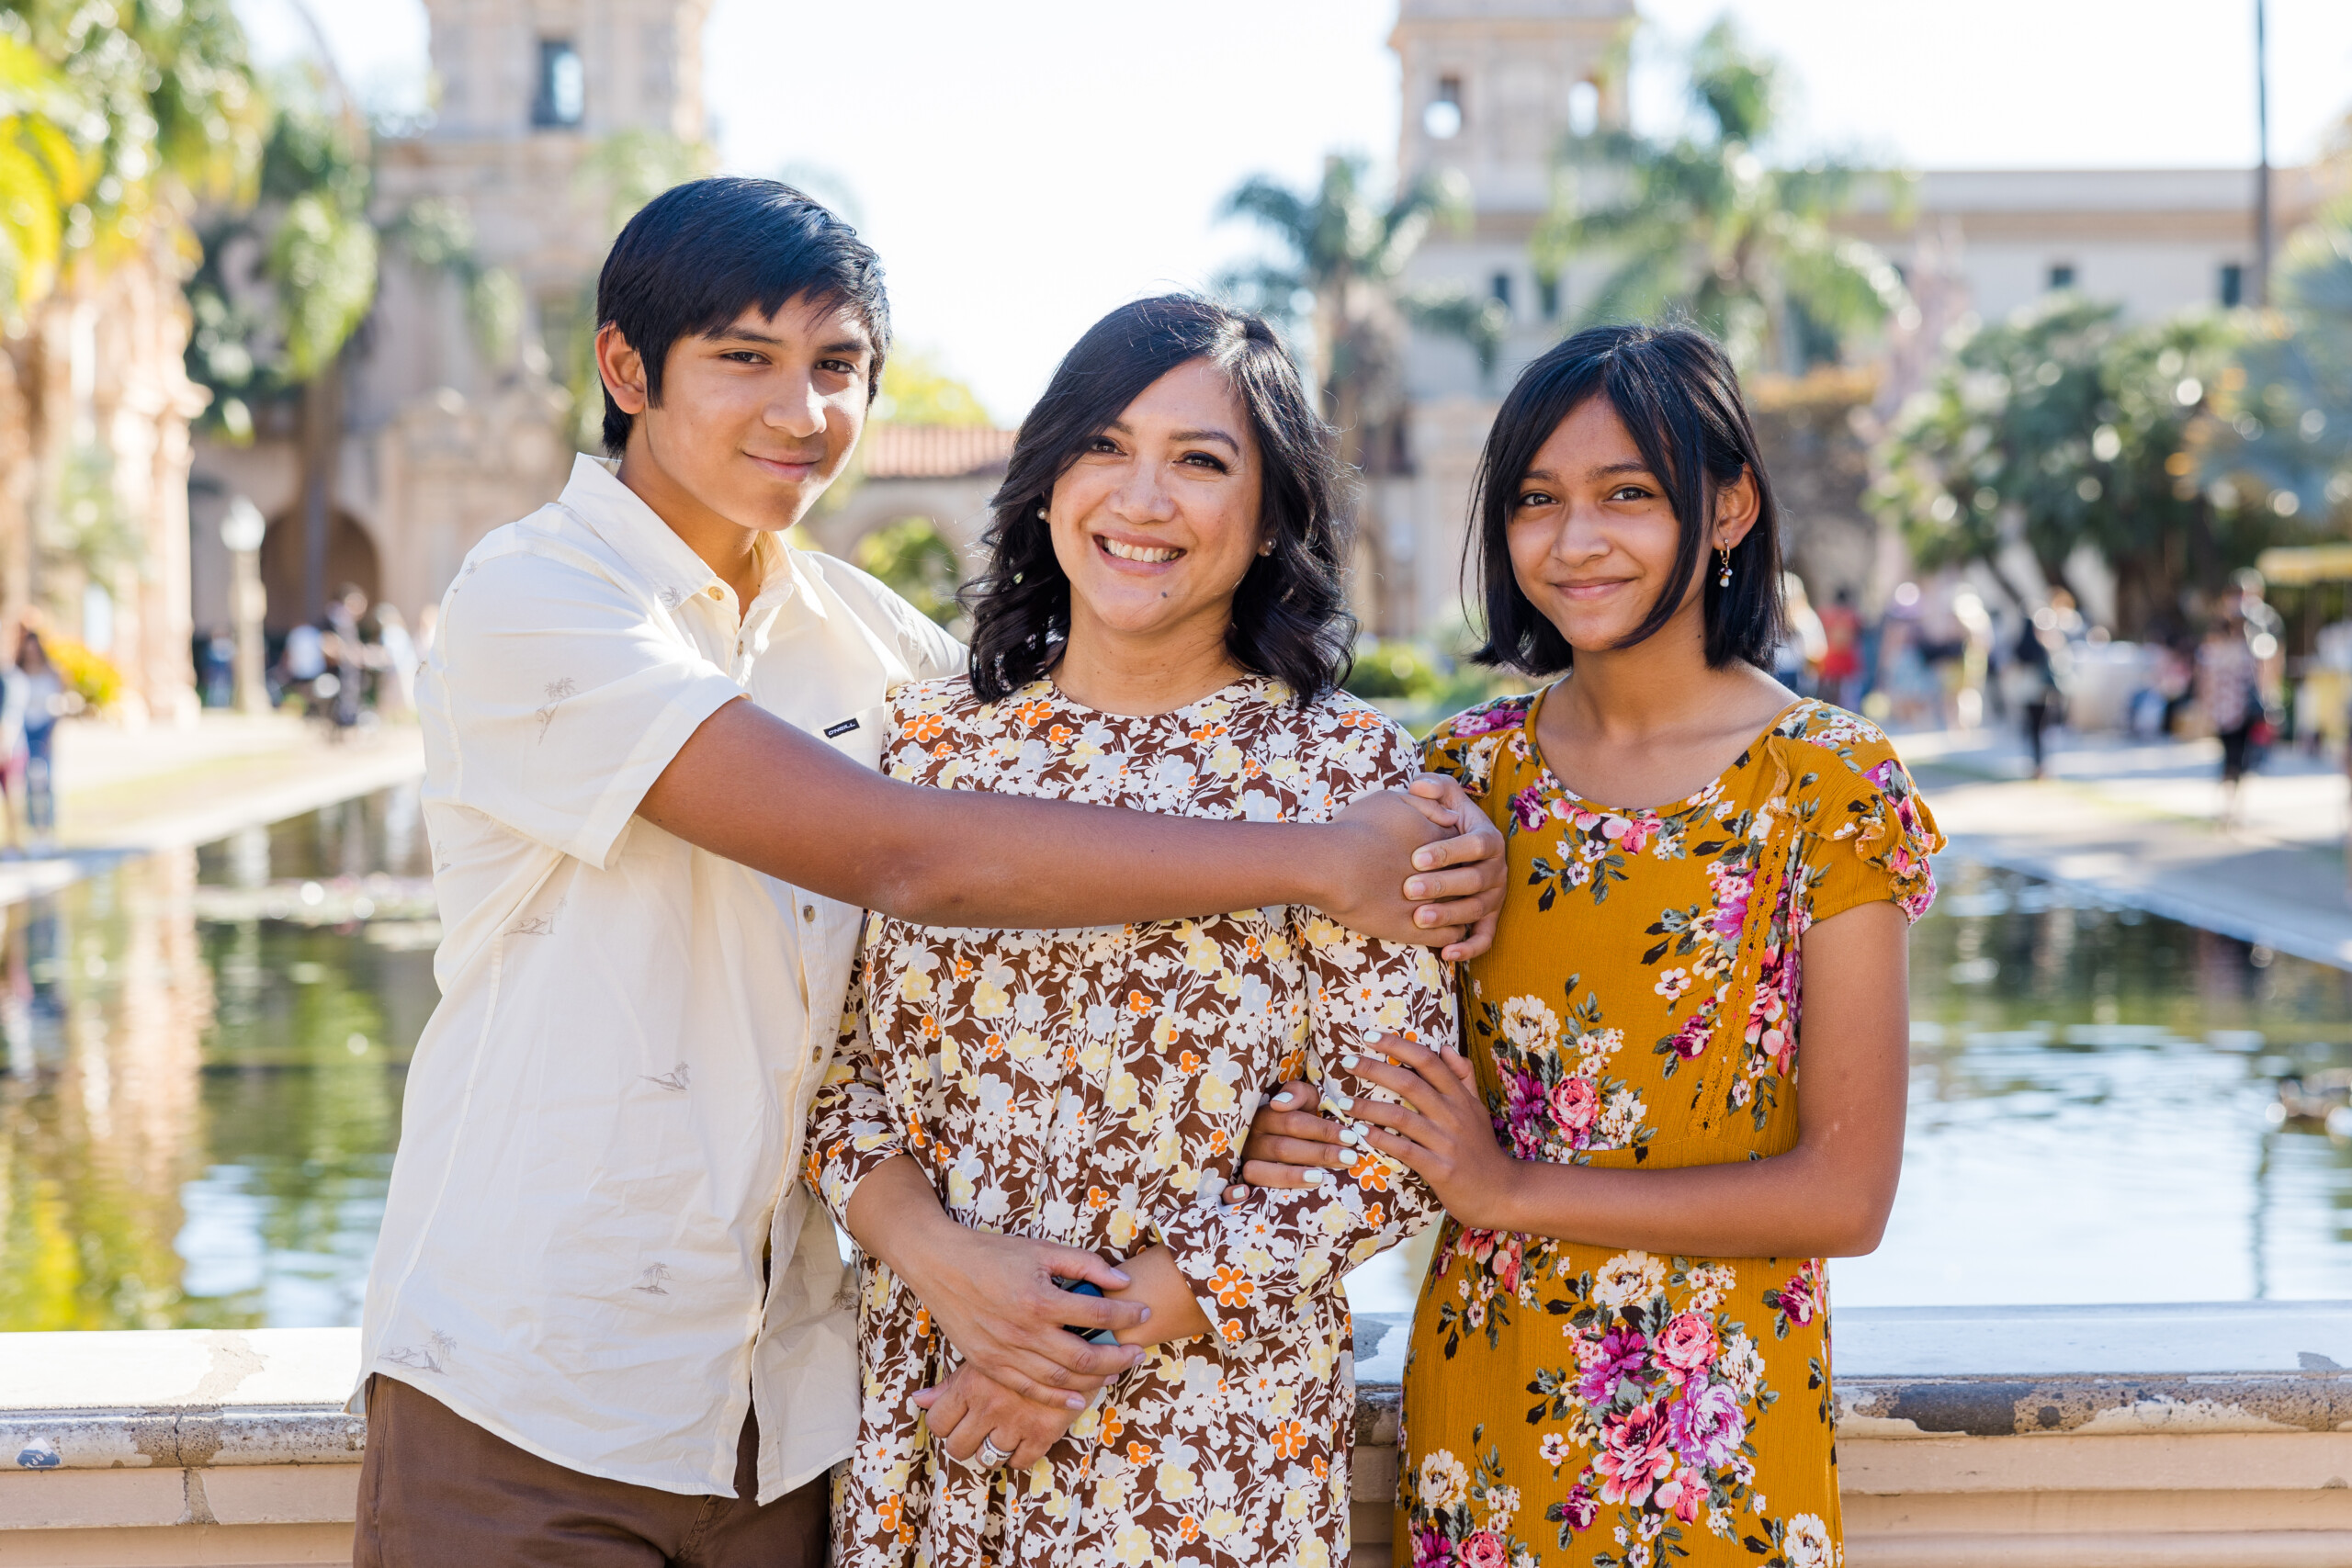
<point>1827,1197</point>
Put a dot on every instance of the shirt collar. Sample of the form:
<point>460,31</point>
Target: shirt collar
<point>620,516</point>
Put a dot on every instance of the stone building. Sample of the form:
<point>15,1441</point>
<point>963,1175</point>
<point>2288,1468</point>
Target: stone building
<point>443,443</point>
<point>1490,87</point>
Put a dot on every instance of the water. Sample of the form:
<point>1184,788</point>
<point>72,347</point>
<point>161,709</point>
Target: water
<point>204,1054</point>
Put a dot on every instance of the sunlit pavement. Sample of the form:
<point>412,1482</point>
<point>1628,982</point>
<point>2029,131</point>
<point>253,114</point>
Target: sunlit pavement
<point>125,791</point>
<point>2138,819</point>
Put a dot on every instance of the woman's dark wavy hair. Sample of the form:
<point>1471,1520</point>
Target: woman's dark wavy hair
<point>1290,614</point>
<point>1678,397</point>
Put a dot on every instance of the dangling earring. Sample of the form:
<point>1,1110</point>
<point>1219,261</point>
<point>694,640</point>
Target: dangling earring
<point>1723,579</point>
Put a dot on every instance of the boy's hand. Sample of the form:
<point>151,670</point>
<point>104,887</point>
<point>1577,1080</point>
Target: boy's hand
<point>1454,886</point>
<point>971,1407</point>
<point>1290,1145</point>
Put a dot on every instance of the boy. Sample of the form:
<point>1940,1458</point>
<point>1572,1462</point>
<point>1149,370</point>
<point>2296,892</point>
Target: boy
<point>604,1325</point>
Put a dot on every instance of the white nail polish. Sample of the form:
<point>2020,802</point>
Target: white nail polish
<point>1316,1177</point>
<point>1349,1060</point>
<point>1282,1100</point>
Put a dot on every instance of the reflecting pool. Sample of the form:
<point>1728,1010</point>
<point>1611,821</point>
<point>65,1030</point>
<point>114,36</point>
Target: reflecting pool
<point>204,1054</point>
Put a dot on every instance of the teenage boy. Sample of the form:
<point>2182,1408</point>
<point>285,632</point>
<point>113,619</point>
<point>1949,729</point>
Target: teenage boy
<point>606,1323</point>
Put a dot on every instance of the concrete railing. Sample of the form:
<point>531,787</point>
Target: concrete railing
<point>2151,1437</point>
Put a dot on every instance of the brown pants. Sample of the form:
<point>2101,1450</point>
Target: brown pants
<point>436,1489</point>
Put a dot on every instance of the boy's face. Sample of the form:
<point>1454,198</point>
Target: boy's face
<point>755,419</point>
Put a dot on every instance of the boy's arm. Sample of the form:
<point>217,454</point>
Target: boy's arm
<point>752,788</point>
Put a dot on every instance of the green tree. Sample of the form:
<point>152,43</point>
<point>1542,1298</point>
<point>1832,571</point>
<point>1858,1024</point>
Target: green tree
<point>1702,223</point>
<point>2059,429</point>
<point>2284,441</point>
<point>917,563</point>
<point>916,390</point>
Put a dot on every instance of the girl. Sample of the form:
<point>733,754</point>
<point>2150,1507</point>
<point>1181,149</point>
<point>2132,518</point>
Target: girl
<point>1160,625</point>
<point>1621,1357</point>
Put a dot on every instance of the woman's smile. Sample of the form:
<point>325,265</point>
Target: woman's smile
<point>1137,554</point>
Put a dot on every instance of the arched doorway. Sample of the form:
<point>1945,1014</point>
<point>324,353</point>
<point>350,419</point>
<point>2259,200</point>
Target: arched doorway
<point>351,558</point>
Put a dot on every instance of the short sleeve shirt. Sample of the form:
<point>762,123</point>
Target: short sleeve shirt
<point>604,1113</point>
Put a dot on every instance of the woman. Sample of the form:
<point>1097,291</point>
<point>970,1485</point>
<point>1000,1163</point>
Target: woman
<point>1622,1352</point>
<point>2229,688</point>
<point>1160,625</point>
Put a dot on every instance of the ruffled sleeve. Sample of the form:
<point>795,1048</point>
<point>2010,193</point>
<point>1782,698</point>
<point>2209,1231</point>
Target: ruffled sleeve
<point>1466,746</point>
<point>1875,842</point>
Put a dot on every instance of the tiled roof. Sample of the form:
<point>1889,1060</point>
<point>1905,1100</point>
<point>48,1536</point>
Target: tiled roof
<point>935,451</point>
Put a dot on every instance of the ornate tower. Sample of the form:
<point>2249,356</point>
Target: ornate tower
<point>1490,88</point>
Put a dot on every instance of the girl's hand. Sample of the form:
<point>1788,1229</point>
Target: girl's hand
<point>1290,1145</point>
<point>1441,1130</point>
<point>971,1407</point>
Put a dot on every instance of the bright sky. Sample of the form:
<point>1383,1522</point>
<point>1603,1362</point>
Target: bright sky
<point>1025,167</point>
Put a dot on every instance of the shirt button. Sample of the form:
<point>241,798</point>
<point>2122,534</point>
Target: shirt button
<point>716,591</point>
<point>808,911</point>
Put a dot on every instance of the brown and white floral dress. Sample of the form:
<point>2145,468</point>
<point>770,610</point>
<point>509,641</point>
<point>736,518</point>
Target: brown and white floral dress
<point>1090,1088</point>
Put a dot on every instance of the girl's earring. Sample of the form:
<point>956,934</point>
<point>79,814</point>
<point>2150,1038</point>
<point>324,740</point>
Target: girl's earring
<point>1723,579</point>
<point>1041,515</point>
<point>1267,548</point>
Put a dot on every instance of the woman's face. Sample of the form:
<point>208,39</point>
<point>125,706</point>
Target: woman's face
<point>1157,522</point>
<point>1593,537</point>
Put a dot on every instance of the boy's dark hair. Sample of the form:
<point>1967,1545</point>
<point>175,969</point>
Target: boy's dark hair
<point>1678,397</point>
<point>1290,614</point>
<point>701,254</point>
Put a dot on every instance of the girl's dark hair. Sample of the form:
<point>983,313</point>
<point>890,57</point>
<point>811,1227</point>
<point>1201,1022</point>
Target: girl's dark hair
<point>701,254</point>
<point>1290,614</point>
<point>1678,397</point>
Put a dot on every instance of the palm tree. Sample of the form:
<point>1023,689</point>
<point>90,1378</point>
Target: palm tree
<point>43,172</point>
<point>1342,252</point>
<point>1703,224</point>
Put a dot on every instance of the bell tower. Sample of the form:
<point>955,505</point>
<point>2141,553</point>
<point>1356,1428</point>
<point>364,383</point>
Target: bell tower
<point>516,69</point>
<point>1492,85</point>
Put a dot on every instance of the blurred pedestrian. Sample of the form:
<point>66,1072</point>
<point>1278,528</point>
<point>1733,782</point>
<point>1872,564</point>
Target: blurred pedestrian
<point>2030,690</point>
<point>2229,688</point>
<point>15,692</point>
<point>44,702</point>
<point>343,644</point>
<point>1841,648</point>
<point>1804,643</point>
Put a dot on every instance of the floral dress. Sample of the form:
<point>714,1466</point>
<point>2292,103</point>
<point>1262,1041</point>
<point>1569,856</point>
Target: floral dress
<point>1092,1088</point>
<point>1567,1403</point>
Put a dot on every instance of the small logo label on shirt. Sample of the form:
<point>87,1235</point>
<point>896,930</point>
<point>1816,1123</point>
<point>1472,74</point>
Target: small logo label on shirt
<point>835,731</point>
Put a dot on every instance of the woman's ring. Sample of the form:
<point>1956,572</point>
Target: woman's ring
<point>991,1457</point>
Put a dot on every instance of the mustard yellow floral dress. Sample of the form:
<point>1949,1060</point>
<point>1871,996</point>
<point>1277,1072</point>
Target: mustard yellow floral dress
<point>1567,1404</point>
<point>1092,1088</point>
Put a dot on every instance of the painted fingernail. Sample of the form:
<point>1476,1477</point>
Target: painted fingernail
<point>1316,1177</point>
<point>1344,1101</point>
<point>1282,1098</point>
<point>1075,1402</point>
<point>1349,1060</point>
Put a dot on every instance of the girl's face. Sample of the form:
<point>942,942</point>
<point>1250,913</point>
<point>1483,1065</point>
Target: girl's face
<point>1593,537</point>
<point>1157,522</point>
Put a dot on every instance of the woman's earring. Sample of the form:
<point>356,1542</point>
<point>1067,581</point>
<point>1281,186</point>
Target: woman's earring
<point>1267,548</point>
<point>1723,579</point>
<point>1041,515</point>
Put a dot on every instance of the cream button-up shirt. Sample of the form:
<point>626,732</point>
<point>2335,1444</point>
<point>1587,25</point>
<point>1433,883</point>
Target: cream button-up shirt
<point>601,1138</point>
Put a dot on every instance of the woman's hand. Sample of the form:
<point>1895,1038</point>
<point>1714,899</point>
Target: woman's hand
<point>1441,1132</point>
<point>971,1407</point>
<point>994,1296</point>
